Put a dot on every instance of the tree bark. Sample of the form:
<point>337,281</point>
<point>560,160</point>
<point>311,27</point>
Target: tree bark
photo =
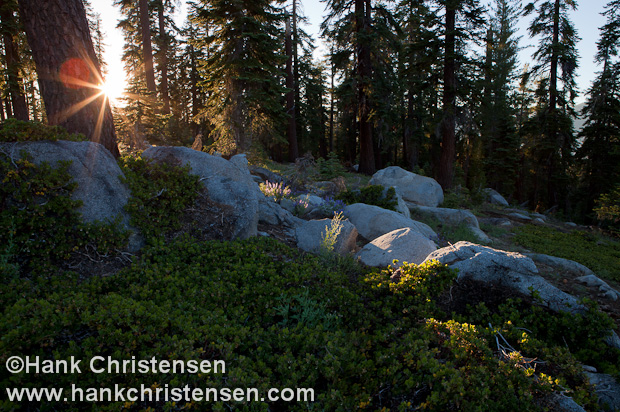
<point>448,122</point>
<point>364,71</point>
<point>296,72</point>
<point>164,60</point>
<point>147,48</point>
<point>331,102</point>
<point>291,131</point>
<point>13,63</point>
<point>69,76</point>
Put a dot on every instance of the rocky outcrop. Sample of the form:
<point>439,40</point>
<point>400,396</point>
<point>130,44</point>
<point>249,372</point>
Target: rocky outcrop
<point>607,390</point>
<point>96,173</point>
<point>454,217</point>
<point>561,264</point>
<point>271,213</point>
<point>519,217</point>
<point>265,174</point>
<point>494,197</point>
<point>603,287</point>
<point>226,184</point>
<point>374,221</point>
<point>413,188</point>
<point>310,235</point>
<point>404,245</point>
<point>511,270</point>
<point>402,207</point>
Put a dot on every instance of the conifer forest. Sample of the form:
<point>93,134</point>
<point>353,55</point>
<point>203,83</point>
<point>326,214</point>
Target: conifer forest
<point>434,86</point>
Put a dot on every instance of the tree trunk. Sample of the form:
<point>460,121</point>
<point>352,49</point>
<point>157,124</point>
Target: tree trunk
<point>448,122</point>
<point>67,68</point>
<point>553,102</point>
<point>364,72</point>
<point>298,133</point>
<point>147,49</point>
<point>13,63</point>
<point>291,131</point>
<point>331,102</point>
<point>164,60</point>
<point>194,81</point>
<point>553,75</point>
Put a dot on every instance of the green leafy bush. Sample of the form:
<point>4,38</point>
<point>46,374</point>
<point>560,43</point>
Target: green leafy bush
<point>13,130</point>
<point>39,224</point>
<point>278,318</point>
<point>536,330</point>
<point>370,195</point>
<point>160,193</point>
<point>600,255</point>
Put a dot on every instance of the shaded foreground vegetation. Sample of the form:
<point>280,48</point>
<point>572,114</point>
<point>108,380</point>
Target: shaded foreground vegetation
<point>361,338</point>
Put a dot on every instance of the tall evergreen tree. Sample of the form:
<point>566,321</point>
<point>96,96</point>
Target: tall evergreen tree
<point>241,76</point>
<point>68,70</point>
<point>552,135</point>
<point>600,152</point>
<point>147,48</point>
<point>420,67</point>
<point>291,85</point>
<point>459,15</point>
<point>349,24</point>
<point>9,26</point>
<point>499,114</point>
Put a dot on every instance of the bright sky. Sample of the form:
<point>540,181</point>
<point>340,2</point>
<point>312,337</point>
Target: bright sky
<point>587,19</point>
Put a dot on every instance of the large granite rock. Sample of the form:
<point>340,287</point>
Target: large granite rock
<point>404,245</point>
<point>413,188</point>
<point>96,173</point>
<point>227,184</point>
<point>454,217</point>
<point>507,269</point>
<point>494,197</point>
<point>374,221</point>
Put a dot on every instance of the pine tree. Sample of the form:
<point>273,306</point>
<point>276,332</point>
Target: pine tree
<point>469,14</point>
<point>69,102</point>
<point>420,64</point>
<point>242,75</point>
<point>499,115</point>
<point>147,49</point>
<point>552,135</point>
<point>9,26</point>
<point>600,152</point>
<point>291,85</point>
<point>351,28</point>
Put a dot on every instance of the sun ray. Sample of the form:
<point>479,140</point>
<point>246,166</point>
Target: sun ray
<point>78,106</point>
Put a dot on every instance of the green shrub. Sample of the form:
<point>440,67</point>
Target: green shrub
<point>537,330</point>
<point>39,224</point>
<point>370,195</point>
<point>600,255</point>
<point>278,318</point>
<point>13,130</point>
<point>160,194</point>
